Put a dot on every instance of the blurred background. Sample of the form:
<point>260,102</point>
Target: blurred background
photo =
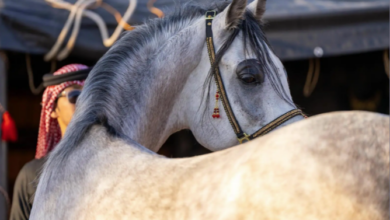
<point>336,53</point>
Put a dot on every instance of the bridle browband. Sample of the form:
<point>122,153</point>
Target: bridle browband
<point>241,135</point>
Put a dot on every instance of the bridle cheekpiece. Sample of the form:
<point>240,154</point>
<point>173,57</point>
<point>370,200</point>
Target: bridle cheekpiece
<point>242,137</point>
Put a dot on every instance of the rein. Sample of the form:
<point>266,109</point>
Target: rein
<point>242,137</point>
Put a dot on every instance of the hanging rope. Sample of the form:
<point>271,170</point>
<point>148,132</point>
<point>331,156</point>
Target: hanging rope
<point>386,61</point>
<point>78,10</point>
<point>117,15</point>
<point>370,104</point>
<point>34,90</point>
<point>76,19</point>
<point>311,82</point>
<point>53,66</point>
<point>153,9</point>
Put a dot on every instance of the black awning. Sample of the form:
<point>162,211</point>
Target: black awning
<point>295,27</point>
<point>335,27</point>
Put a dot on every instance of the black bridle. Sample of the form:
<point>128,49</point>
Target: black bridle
<point>241,135</point>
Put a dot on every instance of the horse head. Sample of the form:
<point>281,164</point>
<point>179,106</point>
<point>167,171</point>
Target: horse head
<point>249,81</point>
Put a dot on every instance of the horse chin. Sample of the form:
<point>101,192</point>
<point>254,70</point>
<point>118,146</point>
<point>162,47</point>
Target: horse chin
<point>291,121</point>
<point>217,143</point>
<point>219,148</point>
<point>220,143</point>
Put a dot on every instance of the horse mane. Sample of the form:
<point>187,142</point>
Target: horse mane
<point>101,102</point>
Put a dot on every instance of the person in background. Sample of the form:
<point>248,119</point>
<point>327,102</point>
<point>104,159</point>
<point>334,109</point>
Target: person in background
<point>58,106</point>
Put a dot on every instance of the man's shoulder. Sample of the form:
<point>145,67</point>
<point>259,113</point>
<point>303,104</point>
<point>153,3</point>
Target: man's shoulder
<point>32,168</point>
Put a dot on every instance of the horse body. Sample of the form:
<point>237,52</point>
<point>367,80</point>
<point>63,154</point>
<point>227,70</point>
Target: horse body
<point>149,85</point>
<point>309,170</point>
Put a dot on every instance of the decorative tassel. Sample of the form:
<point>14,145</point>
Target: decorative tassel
<point>8,128</point>
<point>216,108</point>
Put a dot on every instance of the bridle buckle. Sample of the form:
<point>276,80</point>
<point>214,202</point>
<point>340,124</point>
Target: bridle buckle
<point>210,15</point>
<point>244,139</point>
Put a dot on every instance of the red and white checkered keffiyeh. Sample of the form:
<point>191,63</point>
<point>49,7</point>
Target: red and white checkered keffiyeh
<point>49,129</point>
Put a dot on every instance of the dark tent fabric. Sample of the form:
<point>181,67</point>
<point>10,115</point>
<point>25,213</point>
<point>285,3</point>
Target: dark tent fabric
<point>294,27</point>
<point>297,27</point>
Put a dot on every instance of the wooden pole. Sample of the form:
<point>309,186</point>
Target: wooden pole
<point>4,206</point>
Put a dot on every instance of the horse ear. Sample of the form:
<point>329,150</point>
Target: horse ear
<point>257,7</point>
<point>235,13</point>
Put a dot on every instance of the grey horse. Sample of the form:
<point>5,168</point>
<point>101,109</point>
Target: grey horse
<point>154,81</point>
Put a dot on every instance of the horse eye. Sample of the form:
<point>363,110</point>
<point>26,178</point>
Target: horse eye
<point>249,72</point>
<point>248,78</point>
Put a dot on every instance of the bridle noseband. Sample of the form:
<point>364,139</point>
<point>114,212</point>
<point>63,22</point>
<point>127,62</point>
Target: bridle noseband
<point>241,136</point>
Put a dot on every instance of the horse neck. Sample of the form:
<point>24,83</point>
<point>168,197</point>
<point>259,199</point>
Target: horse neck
<point>161,113</point>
